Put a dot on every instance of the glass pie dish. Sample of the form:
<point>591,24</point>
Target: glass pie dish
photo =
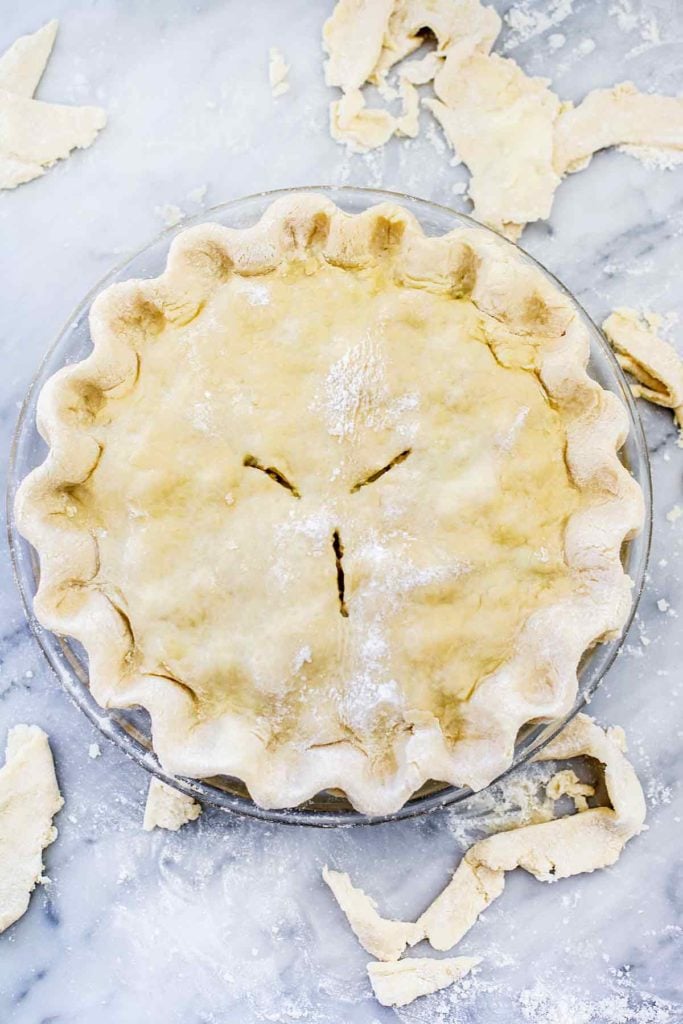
<point>130,729</point>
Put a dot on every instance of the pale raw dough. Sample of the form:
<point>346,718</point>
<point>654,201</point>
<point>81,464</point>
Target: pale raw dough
<point>168,808</point>
<point>568,846</point>
<point>652,361</point>
<point>582,842</point>
<point>22,66</point>
<point>613,117</point>
<point>397,984</point>
<point>34,135</point>
<point>516,136</point>
<point>278,70</point>
<point>500,123</point>
<point>29,799</point>
<point>380,937</point>
<point>360,127</point>
<point>567,783</point>
<point>353,37</point>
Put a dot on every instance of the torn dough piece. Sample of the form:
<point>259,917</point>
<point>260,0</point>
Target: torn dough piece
<point>365,38</point>
<point>278,70</point>
<point>361,128</point>
<point>451,22</point>
<point>567,783</point>
<point>582,842</point>
<point>615,117</point>
<point>352,38</point>
<point>397,984</point>
<point>22,66</point>
<point>500,123</point>
<point>168,808</point>
<point>364,128</point>
<point>382,938</point>
<point>33,134</point>
<point>653,362</point>
<point>29,799</point>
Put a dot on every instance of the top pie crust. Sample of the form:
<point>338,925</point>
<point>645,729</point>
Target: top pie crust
<point>214,528</point>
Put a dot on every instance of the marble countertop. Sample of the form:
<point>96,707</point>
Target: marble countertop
<point>227,922</point>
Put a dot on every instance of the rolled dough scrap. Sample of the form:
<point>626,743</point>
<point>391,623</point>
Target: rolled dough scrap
<point>352,37</point>
<point>33,134</point>
<point>29,799</point>
<point>22,66</point>
<point>652,361</point>
<point>361,128</point>
<point>380,937</point>
<point>397,984</point>
<point>582,842</point>
<point>500,123</point>
<point>278,69</point>
<point>579,843</point>
<point>567,783</point>
<point>451,22</point>
<point>613,117</point>
<point>168,808</point>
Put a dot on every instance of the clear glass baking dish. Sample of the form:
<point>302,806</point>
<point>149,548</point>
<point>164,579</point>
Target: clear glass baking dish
<point>130,729</point>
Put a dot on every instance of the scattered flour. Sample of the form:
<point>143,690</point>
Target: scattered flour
<point>528,20</point>
<point>198,195</point>
<point>654,159</point>
<point>674,514</point>
<point>303,657</point>
<point>170,214</point>
<point>355,390</point>
<point>278,70</point>
<point>586,46</point>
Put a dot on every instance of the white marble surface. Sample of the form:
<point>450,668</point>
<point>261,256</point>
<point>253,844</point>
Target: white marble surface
<point>228,921</point>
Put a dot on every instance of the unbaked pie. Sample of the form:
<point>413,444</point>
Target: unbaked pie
<point>336,502</point>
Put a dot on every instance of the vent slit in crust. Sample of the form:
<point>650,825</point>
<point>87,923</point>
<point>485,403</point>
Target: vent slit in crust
<point>338,549</point>
<point>273,473</point>
<point>396,461</point>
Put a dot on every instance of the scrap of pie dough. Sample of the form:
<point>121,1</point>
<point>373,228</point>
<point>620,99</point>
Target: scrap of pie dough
<point>380,937</point>
<point>652,361</point>
<point>615,117</point>
<point>500,123</point>
<point>278,70</point>
<point>29,799</point>
<point>168,808</point>
<point>567,783</point>
<point>22,66</point>
<point>33,134</point>
<point>352,38</point>
<point>397,984</point>
<point>582,842</point>
<point>451,22</point>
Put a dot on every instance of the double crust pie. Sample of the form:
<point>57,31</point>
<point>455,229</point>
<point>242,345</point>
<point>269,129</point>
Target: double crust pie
<point>335,501</point>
